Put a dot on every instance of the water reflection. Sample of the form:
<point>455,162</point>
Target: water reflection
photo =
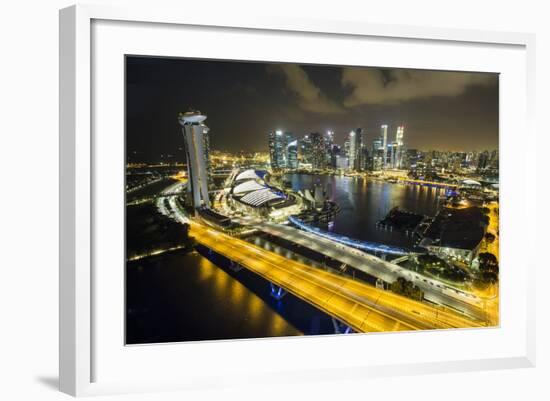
<point>184,297</point>
<point>363,202</point>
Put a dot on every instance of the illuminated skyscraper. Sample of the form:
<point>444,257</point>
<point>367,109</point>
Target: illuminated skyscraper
<point>318,151</point>
<point>384,134</point>
<point>393,154</point>
<point>377,155</point>
<point>342,162</point>
<point>277,150</point>
<point>346,148</point>
<point>365,153</point>
<point>400,148</point>
<point>355,149</point>
<point>335,155</point>
<point>329,143</point>
<point>291,152</point>
<point>195,135</point>
<point>305,149</point>
<point>283,150</point>
<point>483,160</point>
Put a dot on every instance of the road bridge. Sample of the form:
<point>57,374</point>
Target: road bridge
<point>358,305</point>
<point>434,290</point>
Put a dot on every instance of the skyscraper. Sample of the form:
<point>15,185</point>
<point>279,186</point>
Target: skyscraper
<point>355,149</point>
<point>335,154</point>
<point>195,135</point>
<point>378,152</point>
<point>277,150</point>
<point>329,142</point>
<point>305,150</point>
<point>365,153</point>
<point>283,150</point>
<point>400,148</point>
<point>318,151</point>
<point>384,134</point>
<point>291,152</point>
<point>346,148</point>
<point>393,154</point>
<point>483,160</point>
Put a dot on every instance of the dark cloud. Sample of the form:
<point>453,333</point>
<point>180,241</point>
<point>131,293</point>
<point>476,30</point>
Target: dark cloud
<point>309,97</point>
<point>375,86</point>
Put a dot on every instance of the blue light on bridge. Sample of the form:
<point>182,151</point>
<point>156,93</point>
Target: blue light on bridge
<point>363,245</point>
<point>340,327</point>
<point>277,292</point>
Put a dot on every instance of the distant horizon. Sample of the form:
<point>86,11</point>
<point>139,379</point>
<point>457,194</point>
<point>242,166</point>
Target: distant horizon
<point>182,160</point>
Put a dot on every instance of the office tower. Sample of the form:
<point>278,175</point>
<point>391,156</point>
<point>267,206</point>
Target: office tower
<point>470,159</point>
<point>355,149</point>
<point>393,152</point>
<point>305,150</point>
<point>494,159</point>
<point>195,135</point>
<point>483,160</point>
<point>377,162</point>
<point>365,155</point>
<point>277,150</point>
<point>384,134</point>
<point>291,152</point>
<point>342,162</point>
<point>318,150</point>
<point>329,142</point>
<point>334,155</point>
<point>377,144</point>
<point>283,150</point>
<point>413,157</point>
<point>346,148</point>
<point>400,148</point>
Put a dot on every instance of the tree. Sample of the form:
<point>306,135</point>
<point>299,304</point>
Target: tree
<point>407,289</point>
<point>428,260</point>
<point>479,284</point>
<point>490,238</point>
<point>398,285</point>
<point>489,277</point>
<point>488,263</point>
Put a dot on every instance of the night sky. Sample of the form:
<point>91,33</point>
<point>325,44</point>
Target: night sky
<point>246,100</point>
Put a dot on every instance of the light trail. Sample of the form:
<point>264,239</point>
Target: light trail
<point>434,290</point>
<point>360,306</point>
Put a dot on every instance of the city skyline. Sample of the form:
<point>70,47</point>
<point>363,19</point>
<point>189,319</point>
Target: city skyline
<point>445,111</point>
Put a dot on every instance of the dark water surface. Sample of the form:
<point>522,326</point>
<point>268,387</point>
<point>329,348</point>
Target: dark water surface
<point>364,202</point>
<point>185,297</point>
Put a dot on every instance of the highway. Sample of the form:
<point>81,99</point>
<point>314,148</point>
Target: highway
<point>360,306</point>
<point>379,268</point>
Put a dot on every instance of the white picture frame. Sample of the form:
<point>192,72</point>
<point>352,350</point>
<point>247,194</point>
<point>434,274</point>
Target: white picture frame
<point>78,281</point>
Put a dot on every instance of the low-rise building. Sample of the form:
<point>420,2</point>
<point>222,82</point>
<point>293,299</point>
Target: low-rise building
<point>456,233</point>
